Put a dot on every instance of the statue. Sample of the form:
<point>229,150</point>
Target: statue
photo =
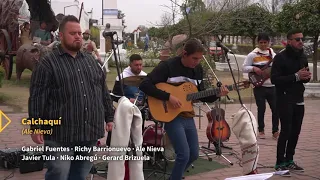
<point>28,55</point>
<point>108,45</point>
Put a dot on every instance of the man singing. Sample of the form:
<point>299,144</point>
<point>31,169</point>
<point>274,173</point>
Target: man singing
<point>181,130</point>
<point>68,84</point>
<point>256,60</point>
<point>289,72</point>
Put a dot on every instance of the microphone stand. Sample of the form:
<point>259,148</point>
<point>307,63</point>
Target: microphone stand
<point>117,62</point>
<point>219,143</point>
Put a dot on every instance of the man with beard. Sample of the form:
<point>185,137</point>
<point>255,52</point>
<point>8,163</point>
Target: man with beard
<point>68,85</point>
<point>134,69</point>
<point>89,46</point>
<point>289,72</point>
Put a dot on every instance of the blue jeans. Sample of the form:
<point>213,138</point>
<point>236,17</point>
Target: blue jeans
<point>68,169</point>
<point>183,135</point>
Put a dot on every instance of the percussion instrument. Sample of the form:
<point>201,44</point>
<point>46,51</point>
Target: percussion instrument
<point>133,80</point>
<point>153,138</point>
<point>158,139</point>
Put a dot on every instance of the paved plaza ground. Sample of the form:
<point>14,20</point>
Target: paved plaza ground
<point>307,152</point>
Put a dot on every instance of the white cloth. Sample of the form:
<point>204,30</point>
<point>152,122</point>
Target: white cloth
<point>245,128</point>
<point>128,73</point>
<point>128,120</point>
<point>263,176</point>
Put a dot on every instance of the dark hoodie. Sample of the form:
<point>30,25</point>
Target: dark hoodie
<point>285,65</point>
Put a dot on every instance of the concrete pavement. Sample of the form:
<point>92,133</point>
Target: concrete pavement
<point>307,151</point>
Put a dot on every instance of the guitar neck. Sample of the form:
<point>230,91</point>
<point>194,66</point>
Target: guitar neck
<point>207,93</point>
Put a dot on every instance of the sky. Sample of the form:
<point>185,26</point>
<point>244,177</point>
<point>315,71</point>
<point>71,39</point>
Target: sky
<point>137,12</point>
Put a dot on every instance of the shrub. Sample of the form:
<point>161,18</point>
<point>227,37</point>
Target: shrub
<point>2,75</point>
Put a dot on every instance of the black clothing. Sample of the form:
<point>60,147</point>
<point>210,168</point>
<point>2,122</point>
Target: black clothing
<point>285,65</point>
<point>291,117</point>
<point>290,100</point>
<point>73,89</point>
<point>173,71</point>
<point>263,94</point>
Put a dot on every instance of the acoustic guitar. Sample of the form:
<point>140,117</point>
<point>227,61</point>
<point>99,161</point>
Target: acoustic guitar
<point>218,129</point>
<point>187,92</point>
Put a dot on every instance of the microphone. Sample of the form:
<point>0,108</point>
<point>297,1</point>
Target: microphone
<point>225,48</point>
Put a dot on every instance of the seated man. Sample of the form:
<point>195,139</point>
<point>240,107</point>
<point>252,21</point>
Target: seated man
<point>134,69</point>
<point>43,34</point>
<point>131,92</point>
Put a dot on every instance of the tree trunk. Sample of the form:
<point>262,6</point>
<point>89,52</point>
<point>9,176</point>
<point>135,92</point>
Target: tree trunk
<point>253,41</point>
<point>315,58</point>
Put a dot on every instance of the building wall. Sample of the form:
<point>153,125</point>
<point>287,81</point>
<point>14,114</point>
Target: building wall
<point>71,7</point>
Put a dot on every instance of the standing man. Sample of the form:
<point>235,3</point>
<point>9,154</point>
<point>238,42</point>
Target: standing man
<point>289,72</point>
<point>181,130</point>
<point>256,60</point>
<point>68,85</point>
<point>89,46</point>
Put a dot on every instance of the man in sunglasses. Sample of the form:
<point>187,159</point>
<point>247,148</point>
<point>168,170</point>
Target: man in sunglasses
<point>289,71</point>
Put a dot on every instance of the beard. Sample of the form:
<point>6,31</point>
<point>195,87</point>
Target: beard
<point>75,46</point>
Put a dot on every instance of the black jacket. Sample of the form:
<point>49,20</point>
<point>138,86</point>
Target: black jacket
<point>285,65</point>
<point>173,71</point>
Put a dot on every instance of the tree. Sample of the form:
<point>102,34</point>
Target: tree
<point>95,35</point>
<point>275,6</point>
<point>304,15</point>
<point>250,21</point>
<point>192,6</point>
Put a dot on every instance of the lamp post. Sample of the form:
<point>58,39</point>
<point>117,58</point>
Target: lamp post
<point>64,9</point>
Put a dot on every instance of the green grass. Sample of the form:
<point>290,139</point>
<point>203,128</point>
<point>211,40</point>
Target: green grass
<point>16,93</point>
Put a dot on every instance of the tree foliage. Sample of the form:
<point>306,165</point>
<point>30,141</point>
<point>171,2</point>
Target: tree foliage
<point>304,15</point>
<point>242,18</point>
<point>250,21</point>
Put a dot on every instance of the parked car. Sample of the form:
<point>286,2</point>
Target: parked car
<point>215,51</point>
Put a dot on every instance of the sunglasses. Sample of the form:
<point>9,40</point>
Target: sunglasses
<point>299,39</point>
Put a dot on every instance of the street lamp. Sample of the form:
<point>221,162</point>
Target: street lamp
<point>64,9</point>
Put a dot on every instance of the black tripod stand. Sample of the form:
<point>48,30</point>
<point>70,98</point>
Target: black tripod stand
<point>218,114</point>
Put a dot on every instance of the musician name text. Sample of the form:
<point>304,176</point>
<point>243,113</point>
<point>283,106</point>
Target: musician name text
<point>28,131</point>
<point>149,148</point>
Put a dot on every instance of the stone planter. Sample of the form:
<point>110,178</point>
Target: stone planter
<point>312,90</point>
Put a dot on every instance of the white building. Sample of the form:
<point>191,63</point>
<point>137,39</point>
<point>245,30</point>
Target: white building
<point>72,7</point>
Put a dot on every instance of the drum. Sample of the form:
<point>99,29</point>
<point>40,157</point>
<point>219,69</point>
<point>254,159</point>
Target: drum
<point>159,139</point>
<point>151,138</point>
